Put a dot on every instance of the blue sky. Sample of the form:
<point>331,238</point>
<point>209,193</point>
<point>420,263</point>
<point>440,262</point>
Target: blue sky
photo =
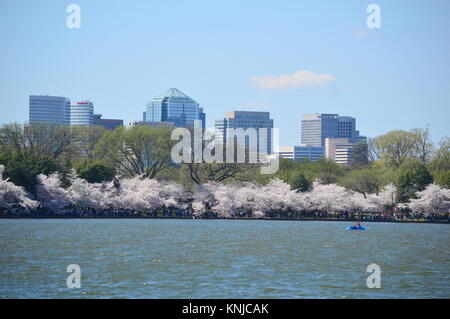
<point>127,52</point>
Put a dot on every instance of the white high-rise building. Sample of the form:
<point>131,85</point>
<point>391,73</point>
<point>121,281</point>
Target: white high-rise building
<point>47,110</point>
<point>246,120</point>
<point>315,128</point>
<point>339,150</point>
<point>82,113</point>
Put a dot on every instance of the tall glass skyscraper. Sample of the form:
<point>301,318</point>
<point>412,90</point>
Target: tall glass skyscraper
<point>45,109</point>
<point>317,127</point>
<point>174,106</point>
<point>82,113</point>
<point>347,128</point>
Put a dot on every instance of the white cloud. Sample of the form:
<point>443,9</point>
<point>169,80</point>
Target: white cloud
<point>361,34</point>
<point>300,79</point>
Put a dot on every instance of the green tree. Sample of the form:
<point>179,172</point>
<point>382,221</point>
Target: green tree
<point>386,174</point>
<point>374,149</point>
<point>287,170</point>
<point>27,151</point>
<point>440,164</point>
<point>300,183</point>
<point>23,167</point>
<point>84,140</point>
<point>414,177</point>
<point>326,170</point>
<point>218,163</point>
<point>219,172</point>
<point>422,145</point>
<point>364,181</point>
<point>442,178</point>
<point>46,140</point>
<point>95,171</point>
<point>395,147</point>
<point>141,150</point>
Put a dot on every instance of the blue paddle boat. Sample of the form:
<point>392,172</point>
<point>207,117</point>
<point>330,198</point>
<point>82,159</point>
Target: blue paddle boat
<point>356,228</point>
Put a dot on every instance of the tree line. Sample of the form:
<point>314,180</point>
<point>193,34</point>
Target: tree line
<point>408,160</point>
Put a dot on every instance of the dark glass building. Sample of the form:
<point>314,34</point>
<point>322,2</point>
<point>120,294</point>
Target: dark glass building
<point>109,124</point>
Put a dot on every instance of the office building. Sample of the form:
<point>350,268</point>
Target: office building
<point>343,154</point>
<point>316,127</point>
<point>246,120</point>
<point>347,128</point>
<point>109,124</point>
<point>82,113</point>
<point>361,139</point>
<point>339,150</point>
<point>48,110</point>
<point>174,106</point>
<point>202,117</point>
<point>299,152</point>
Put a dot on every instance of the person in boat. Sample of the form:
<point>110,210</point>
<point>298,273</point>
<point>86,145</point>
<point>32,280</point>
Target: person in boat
<point>357,225</point>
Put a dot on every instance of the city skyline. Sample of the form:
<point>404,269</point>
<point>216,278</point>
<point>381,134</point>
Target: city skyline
<point>214,157</point>
<point>342,126</point>
<point>292,59</point>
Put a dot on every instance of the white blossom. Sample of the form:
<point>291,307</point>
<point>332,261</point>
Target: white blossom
<point>13,196</point>
<point>433,199</point>
<point>50,193</point>
<point>387,195</point>
<point>83,194</point>
<point>331,197</point>
<point>224,200</point>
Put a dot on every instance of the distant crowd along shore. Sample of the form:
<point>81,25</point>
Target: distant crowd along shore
<point>398,216</point>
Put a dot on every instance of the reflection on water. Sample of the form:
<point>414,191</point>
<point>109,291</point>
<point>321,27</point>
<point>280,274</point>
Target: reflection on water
<point>138,258</point>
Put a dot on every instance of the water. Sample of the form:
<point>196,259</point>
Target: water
<point>140,258</point>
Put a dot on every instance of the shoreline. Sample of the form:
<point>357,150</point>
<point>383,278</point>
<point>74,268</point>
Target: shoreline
<point>237,218</point>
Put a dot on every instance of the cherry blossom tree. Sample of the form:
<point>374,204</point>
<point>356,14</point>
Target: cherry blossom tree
<point>13,196</point>
<point>373,203</point>
<point>139,194</point>
<point>278,196</point>
<point>224,200</point>
<point>246,200</point>
<point>50,193</point>
<point>83,194</point>
<point>111,198</point>
<point>388,195</point>
<point>330,197</point>
<point>432,200</point>
<point>369,204</point>
<point>173,195</point>
<point>224,203</point>
<point>203,199</point>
